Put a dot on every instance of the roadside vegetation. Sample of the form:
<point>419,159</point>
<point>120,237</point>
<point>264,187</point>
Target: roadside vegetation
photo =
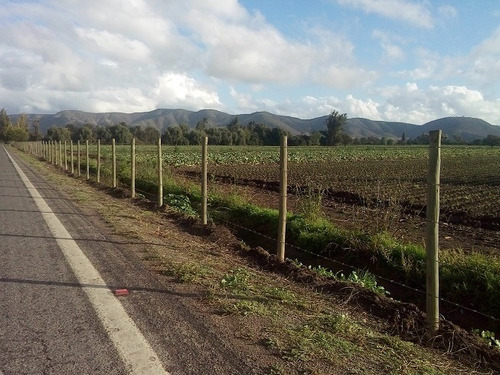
<point>467,278</point>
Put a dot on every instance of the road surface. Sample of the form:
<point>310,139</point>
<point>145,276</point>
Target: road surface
<point>58,312</point>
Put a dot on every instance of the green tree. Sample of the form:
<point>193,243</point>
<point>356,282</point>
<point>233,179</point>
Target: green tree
<point>202,125</point>
<point>103,133</point>
<point>36,132</point>
<point>196,136</point>
<point>4,122</point>
<point>334,123</point>
<point>492,140</point>
<point>315,139</point>
<point>234,124</point>
<point>176,135</point>
<point>22,122</point>
<point>56,133</point>
<point>17,132</point>
<point>86,133</point>
<point>150,135</point>
<point>121,133</point>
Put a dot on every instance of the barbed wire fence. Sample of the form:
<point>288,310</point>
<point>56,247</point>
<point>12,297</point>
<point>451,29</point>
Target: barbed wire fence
<point>57,154</point>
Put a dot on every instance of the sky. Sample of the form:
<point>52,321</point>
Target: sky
<point>394,60</point>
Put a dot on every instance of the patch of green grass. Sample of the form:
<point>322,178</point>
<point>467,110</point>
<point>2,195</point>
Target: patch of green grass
<point>308,341</point>
<point>243,307</point>
<point>185,272</point>
<point>236,280</point>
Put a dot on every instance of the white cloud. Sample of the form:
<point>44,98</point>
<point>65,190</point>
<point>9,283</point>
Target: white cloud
<point>180,91</point>
<point>392,52</point>
<point>482,66</point>
<point>399,10</point>
<point>113,46</point>
<point>447,11</point>
<point>413,104</point>
<point>407,103</point>
<point>343,77</point>
<point>101,48</point>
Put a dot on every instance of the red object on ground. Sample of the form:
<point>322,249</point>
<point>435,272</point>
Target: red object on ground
<point>121,292</point>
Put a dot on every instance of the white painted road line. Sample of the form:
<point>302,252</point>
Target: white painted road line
<point>130,343</point>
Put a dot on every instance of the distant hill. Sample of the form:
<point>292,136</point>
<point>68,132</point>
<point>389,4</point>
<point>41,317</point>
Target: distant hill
<point>466,128</point>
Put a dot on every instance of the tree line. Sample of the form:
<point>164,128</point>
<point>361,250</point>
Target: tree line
<point>233,134</point>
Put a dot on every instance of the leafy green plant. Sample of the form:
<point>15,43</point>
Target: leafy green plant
<point>236,280</point>
<point>181,203</point>
<point>322,271</point>
<point>366,280</point>
<point>488,337</point>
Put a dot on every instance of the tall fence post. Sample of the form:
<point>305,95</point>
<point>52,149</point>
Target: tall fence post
<point>60,155</point>
<point>65,156</point>
<point>160,175</point>
<point>432,232</point>
<point>98,178</point>
<point>54,159</point>
<point>113,157</point>
<point>72,158</point>
<point>132,168</point>
<point>87,159</point>
<point>78,158</point>
<point>204,177</point>
<point>283,197</point>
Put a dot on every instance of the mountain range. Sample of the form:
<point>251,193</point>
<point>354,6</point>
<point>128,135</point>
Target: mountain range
<point>467,128</point>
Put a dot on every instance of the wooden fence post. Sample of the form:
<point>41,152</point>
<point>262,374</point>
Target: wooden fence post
<point>113,157</point>
<point>72,158</point>
<point>132,168</point>
<point>204,177</point>
<point>88,159</point>
<point>432,232</point>
<point>160,175</point>
<point>78,158</point>
<point>60,154</point>
<point>283,197</point>
<point>65,156</point>
<point>98,178</point>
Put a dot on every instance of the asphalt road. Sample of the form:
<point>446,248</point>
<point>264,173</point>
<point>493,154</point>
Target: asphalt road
<point>58,313</point>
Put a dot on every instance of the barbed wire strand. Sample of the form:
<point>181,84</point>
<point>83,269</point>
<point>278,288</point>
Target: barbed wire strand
<point>394,282</point>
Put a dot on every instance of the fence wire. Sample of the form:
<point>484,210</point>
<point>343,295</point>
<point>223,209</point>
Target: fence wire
<point>369,189</point>
<point>354,268</point>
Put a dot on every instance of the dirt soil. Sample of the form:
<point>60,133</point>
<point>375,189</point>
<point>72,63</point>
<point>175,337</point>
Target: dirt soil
<point>405,222</point>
